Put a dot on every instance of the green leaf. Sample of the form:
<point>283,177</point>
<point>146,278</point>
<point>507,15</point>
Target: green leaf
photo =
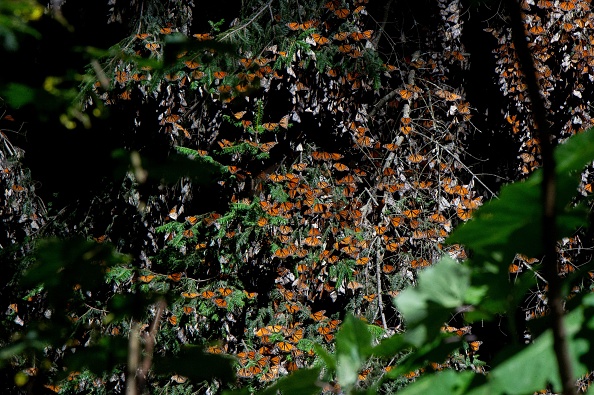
<point>300,382</point>
<point>353,346</point>
<point>524,370</point>
<point>197,365</point>
<point>18,95</point>
<point>100,358</point>
<point>425,308</point>
<point>575,153</point>
<point>448,382</point>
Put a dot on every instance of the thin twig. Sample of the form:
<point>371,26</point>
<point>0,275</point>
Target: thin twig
<point>133,359</point>
<point>261,10</point>
<point>149,347</point>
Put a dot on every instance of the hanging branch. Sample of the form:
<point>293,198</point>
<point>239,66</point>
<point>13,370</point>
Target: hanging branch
<point>549,236</point>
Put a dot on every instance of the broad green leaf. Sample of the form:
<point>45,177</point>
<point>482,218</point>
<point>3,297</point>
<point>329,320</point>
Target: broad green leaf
<point>197,365</point>
<point>447,382</point>
<point>529,369</point>
<point>575,153</point>
<point>328,358</point>
<point>300,382</point>
<point>425,308</point>
<point>101,357</point>
<point>445,282</point>
<point>353,346</point>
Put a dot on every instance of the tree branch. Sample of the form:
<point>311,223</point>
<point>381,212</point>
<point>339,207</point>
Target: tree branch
<point>549,230</point>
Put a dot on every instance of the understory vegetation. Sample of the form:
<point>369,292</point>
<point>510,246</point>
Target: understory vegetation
<point>296,197</point>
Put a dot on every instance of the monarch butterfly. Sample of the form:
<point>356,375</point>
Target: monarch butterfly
<point>152,46</point>
<point>322,330</point>
<point>220,302</point>
<point>363,375</point>
<point>284,122</point>
<point>121,76</point>
<point>411,213</point>
<point>285,346</point>
<point>175,276</point>
<point>318,315</point>
<point>341,36</point>
<point>319,39</point>
<point>387,268</point>
<point>301,253</point>
<point>513,268</point>
<point>308,24</point>
<point>391,188</point>
<point>355,214</point>
<point>567,5</point>
<point>329,337</point>
<point>268,376</point>
<point>332,5</point>
<point>225,291</point>
<point>350,250</point>
<point>342,13</point>
<point>249,372</point>
<point>417,263</point>
<point>363,261</point>
<point>262,61</point>
<point>463,214</point>
<point>188,309</point>
<point>345,48</point>
<point>179,379</point>
<point>224,88</point>
<point>53,388</point>
<point>319,208</point>
<point>474,345</point>
<point>447,95</point>
<point>200,246</point>
<point>242,88</point>
<point>293,25</point>
<point>286,206</point>
<point>370,298</point>
<point>267,146</point>
<point>165,30</point>
<point>312,241</point>
<point>405,94</point>
<point>282,253</point>
<point>298,335</point>
<point>415,158</point>
<point>292,308</point>
<point>270,126</point>
<point>393,245</point>
<point>348,179</point>
<point>358,36</point>
<point>537,29</point>
<point>197,74</point>
<point>438,217</point>
<point>299,166</point>
<point>146,279</point>
<point>463,108</point>
<point>142,36</point>
<point>138,77</point>
<point>173,320</point>
<point>292,366</point>
<point>219,74</point>
<point>406,129</point>
<point>202,36</point>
